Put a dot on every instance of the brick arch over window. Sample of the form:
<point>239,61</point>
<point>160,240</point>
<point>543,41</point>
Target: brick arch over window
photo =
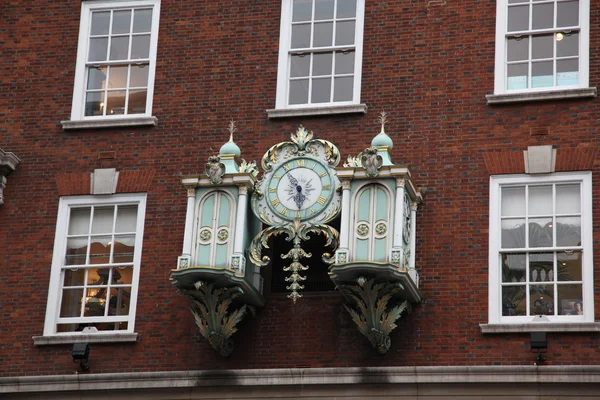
<point>512,161</point>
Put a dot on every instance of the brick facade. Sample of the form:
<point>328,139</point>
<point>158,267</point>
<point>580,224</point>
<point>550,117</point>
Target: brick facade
<point>428,64</point>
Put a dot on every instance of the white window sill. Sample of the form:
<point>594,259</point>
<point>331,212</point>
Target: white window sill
<point>86,338</point>
<point>541,327</point>
<point>325,110</point>
<point>540,96</point>
<point>109,123</point>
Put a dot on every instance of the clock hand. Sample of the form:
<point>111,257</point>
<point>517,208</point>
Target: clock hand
<point>298,197</point>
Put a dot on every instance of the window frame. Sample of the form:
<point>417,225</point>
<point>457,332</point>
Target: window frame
<point>283,68</point>
<point>81,70</point>
<point>60,242</point>
<point>500,78</point>
<point>495,268</point>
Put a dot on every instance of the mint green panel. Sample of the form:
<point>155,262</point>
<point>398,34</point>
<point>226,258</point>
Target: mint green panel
<point>380,250</point>
<point>224,210</point>
<point>381,210</point>
<point>364,205</point>
<point>221,255</point>
<point>204,254</point>
<point>206,213</point>
<point>362,250</point>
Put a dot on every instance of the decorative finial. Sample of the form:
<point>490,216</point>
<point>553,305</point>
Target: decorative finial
<point>382,119</point>
<point>232,130</point>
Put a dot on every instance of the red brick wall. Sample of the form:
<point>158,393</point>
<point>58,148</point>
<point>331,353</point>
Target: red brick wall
<point>428,64</point>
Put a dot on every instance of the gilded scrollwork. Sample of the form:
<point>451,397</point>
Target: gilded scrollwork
<point>223,235</point>
<point>353,162</point>
<point>362,229</point>
<point>205,235</point>
<point>381,229</point>
<point>249,168</point>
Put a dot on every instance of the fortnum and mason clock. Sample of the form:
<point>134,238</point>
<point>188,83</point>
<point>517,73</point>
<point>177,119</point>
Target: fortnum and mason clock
<point>297,195</point>
<point>300,188</point>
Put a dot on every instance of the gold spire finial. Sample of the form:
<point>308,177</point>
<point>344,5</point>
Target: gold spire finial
<point>232,130</point>
<point>382,119</point>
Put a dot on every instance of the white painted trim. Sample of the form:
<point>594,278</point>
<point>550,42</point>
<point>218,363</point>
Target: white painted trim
<point>495,270</point>
<point>281,99</point>
<point>398,220</point>
<point>78,107</point>
<point>345,223</point>
<point>318,377</point>
<point>189,223</point>
<point>117,122</point>
<point>500,53</point>
<point>325,110</point>
<point>541,327</point>
<point>60,243</point>
<point>541,96</point>
<point>100,337</point>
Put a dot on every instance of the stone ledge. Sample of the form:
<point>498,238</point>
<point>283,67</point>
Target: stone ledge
<point>86,338</point>
<point>540,96</point>
<point>312,111</point>
<point>511,374</point>
<point>541,327</point>
<point>109,123</point>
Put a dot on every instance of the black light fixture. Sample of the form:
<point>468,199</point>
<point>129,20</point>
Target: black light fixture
<point>539,343</point>
<point>80,354</point>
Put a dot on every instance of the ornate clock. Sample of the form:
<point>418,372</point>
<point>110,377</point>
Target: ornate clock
<point>297,195</point>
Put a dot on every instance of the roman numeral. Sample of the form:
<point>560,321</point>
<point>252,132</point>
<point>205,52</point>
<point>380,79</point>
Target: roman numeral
<point>287,167</point>
<point>273,190</point>
<point>276,177</point>
<point>297,214</point>
<point>326,187</point>
<point>284,211</point>
<point>275,202</point>
<point>311,210</point>
<point>321,200</point>
<point>314,166</point>
<point>301,163</point>
<point>323,175</point>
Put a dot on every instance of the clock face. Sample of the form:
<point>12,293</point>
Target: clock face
<point>300,188</point>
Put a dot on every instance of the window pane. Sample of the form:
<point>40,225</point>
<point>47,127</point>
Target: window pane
<point>142,21</point>
<point>513,201</point>
<point>542,74</point>
<point>103,219</point>
<point>122,276</point>
<point>323,34</point>
<point>299,91</point>
<point>100,23</point>
<point>541,267</point>
<point>79,221</point>
<point>94,104</point>
<point>137,102</point>
<point>300,36</point>
<point>98,48</point>
<point>517,76</point>
<point>568,45</point>
<point>119,301</point>
<point>518,18</point>
<point>140,47</point>
<point>100,250</point>
<point>74,277</point>
<point>540,200</point>
<point>118,77</point>
<point>540,232</point>
<point>126,219</point>
<point>569,266</point>
<point>123,247</point>
<point>567,72</point>
<point>121,21</point>
<point>96,78</point>
<point>518,49</point>
<point>568,14</point>
<point>542,300</point>
<point>76,251</point>
<point>513,233</point>
<point>119,48</point>
<point>321,91</point>
<point>98,276</point>
<point>71,303</point>
<point>300,65</point>
<point>346,9</point>
<point>570,300</point>
<point>543,16</point>
<point>344,62</point>
<point>513,267</point>
<point>95,300</point>
<point>322,64</point>
<point>542,46</point>
<point>513,300</point>
<point>139,75</point>
<point>343,89</point>
<point>344,34</point>
<point>323,9</point>
<point>568,199</point>
<point>302,10</point>
<point>116,103</point>
<point>568,231</point>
